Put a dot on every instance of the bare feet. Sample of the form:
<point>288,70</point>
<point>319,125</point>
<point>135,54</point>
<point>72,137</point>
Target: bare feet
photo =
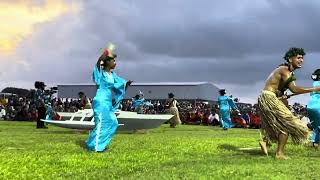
<point>312,144</point>
<point>282,157</point>
<point>264,148</point>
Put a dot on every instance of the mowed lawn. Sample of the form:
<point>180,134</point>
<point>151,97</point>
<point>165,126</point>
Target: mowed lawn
<point>187,152</point>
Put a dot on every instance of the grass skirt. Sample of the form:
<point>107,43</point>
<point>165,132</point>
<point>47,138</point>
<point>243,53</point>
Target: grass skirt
<point>176,119</point>
<point>276,118</point>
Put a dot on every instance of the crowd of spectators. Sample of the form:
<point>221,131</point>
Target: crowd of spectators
<point>191,112</point>
<point>24,109</point>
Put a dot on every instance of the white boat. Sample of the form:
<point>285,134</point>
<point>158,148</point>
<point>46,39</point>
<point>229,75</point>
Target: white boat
<point>83,119</point>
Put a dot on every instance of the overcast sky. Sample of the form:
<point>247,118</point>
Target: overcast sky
<point>233,44</point>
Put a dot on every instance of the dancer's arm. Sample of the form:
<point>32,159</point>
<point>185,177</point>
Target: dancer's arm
<point>301,90</point>
<point>297,89</point>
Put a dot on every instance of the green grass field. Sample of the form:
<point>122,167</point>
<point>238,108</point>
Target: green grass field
<point>187,152</point>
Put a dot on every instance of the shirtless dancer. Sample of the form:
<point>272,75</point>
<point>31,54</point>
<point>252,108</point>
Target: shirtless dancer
<point>277,121</point>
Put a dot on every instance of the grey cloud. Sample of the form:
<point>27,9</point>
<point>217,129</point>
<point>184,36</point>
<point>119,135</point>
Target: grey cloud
<point>224,42</point>
<point>269,30</point>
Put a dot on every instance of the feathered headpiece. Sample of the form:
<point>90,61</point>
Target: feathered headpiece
<point>108,51</point>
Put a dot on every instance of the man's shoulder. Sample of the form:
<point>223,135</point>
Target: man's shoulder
<point>283,71</point>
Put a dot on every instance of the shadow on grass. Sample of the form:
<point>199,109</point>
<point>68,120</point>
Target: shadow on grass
<point>82,144</point>
<point>140,131</point>
<point>72,131</point>
<point>250,151</point>
<point>58,132</point>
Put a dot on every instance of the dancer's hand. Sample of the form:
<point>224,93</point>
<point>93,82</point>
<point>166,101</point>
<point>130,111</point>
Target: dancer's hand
<point>285,96</point>
<point>128,84</point>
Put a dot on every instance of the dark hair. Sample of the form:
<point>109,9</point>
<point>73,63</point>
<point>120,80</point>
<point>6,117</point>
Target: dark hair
<point>39,85</point>
<point>137,96</point>
<point>105,58</point>
<point>171,95</point>
<point>81,93</point>
<point>293,52</point>
<point>222,92</point>
<point>316,75</point>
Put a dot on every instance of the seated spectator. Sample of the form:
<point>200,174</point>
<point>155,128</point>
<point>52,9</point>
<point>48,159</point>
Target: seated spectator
<point>255,120</point>
<point>2,112</point>
<point>193,118</point>
<point>216,119</point>
<point>246,117</point>
<point>84,102</point>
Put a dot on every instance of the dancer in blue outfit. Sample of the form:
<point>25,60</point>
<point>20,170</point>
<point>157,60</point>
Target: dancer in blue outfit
<point>105,119</point>
<point>225,105</point>
<point>314,108</point>
<point>137,102</point>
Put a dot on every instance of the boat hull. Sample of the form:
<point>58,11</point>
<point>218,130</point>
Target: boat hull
<point>127,121</point>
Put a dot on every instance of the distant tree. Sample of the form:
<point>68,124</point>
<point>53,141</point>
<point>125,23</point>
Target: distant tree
<point>18,91</point>
<point>31,93</point>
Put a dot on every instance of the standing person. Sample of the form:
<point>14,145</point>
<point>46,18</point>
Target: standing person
<point>277,121</point>
<point>225,105</point>
<point>105,119</point>
<point>172,104</point>
<point>39,100</point>
<point>313,108</point>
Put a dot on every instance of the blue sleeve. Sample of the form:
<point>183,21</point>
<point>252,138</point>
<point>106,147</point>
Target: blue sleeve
<point>119,90</point>
<point>138,102</point>
<point>232,104</point>
<point>96,75</point>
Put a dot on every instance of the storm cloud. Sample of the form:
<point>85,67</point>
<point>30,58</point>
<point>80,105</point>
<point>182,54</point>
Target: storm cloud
<point>231,43</point>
